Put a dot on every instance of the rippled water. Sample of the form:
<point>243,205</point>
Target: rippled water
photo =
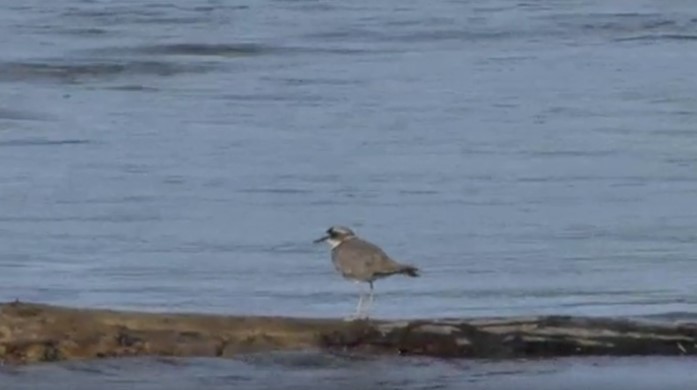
<point>530,157</point>
<point>319,371</point>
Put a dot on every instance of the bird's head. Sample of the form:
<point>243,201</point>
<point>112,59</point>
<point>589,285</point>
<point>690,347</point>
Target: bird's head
<point>336,234</point>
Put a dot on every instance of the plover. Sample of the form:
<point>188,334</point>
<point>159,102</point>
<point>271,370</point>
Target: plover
<point>361,261</point>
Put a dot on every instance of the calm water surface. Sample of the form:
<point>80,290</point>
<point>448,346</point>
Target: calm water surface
<point>530,156</point>
<point>318,371</point>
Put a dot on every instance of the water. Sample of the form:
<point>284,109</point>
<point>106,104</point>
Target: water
<point>531,157</point>
<point>316,371</point>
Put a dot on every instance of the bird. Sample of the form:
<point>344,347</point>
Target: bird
<point>362,262</point>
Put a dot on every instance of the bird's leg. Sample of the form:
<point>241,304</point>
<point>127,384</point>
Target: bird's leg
<point>359,307</point>
<point>371,296</point>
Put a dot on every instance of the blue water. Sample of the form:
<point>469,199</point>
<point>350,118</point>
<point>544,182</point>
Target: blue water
<point>531,157</point>
<point>320,371</point>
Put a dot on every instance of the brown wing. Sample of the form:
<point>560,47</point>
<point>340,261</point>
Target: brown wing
<point>361,259</point>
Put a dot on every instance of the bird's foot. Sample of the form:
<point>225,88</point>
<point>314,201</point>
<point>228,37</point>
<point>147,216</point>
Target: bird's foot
<point>356,317</point>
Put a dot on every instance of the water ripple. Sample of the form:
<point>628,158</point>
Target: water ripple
<point>191,49</point>
<point>76,72</point>
<point>43,142</point>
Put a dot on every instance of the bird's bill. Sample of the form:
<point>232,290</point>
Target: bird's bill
<point>324,238</point>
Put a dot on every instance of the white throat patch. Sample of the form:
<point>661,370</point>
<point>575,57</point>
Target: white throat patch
<point>333,243</point>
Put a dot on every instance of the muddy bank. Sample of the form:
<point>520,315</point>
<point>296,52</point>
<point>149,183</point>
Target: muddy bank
<point>32,333</point>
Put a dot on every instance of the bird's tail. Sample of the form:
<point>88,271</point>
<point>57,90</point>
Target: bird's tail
<point>408,270</point>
